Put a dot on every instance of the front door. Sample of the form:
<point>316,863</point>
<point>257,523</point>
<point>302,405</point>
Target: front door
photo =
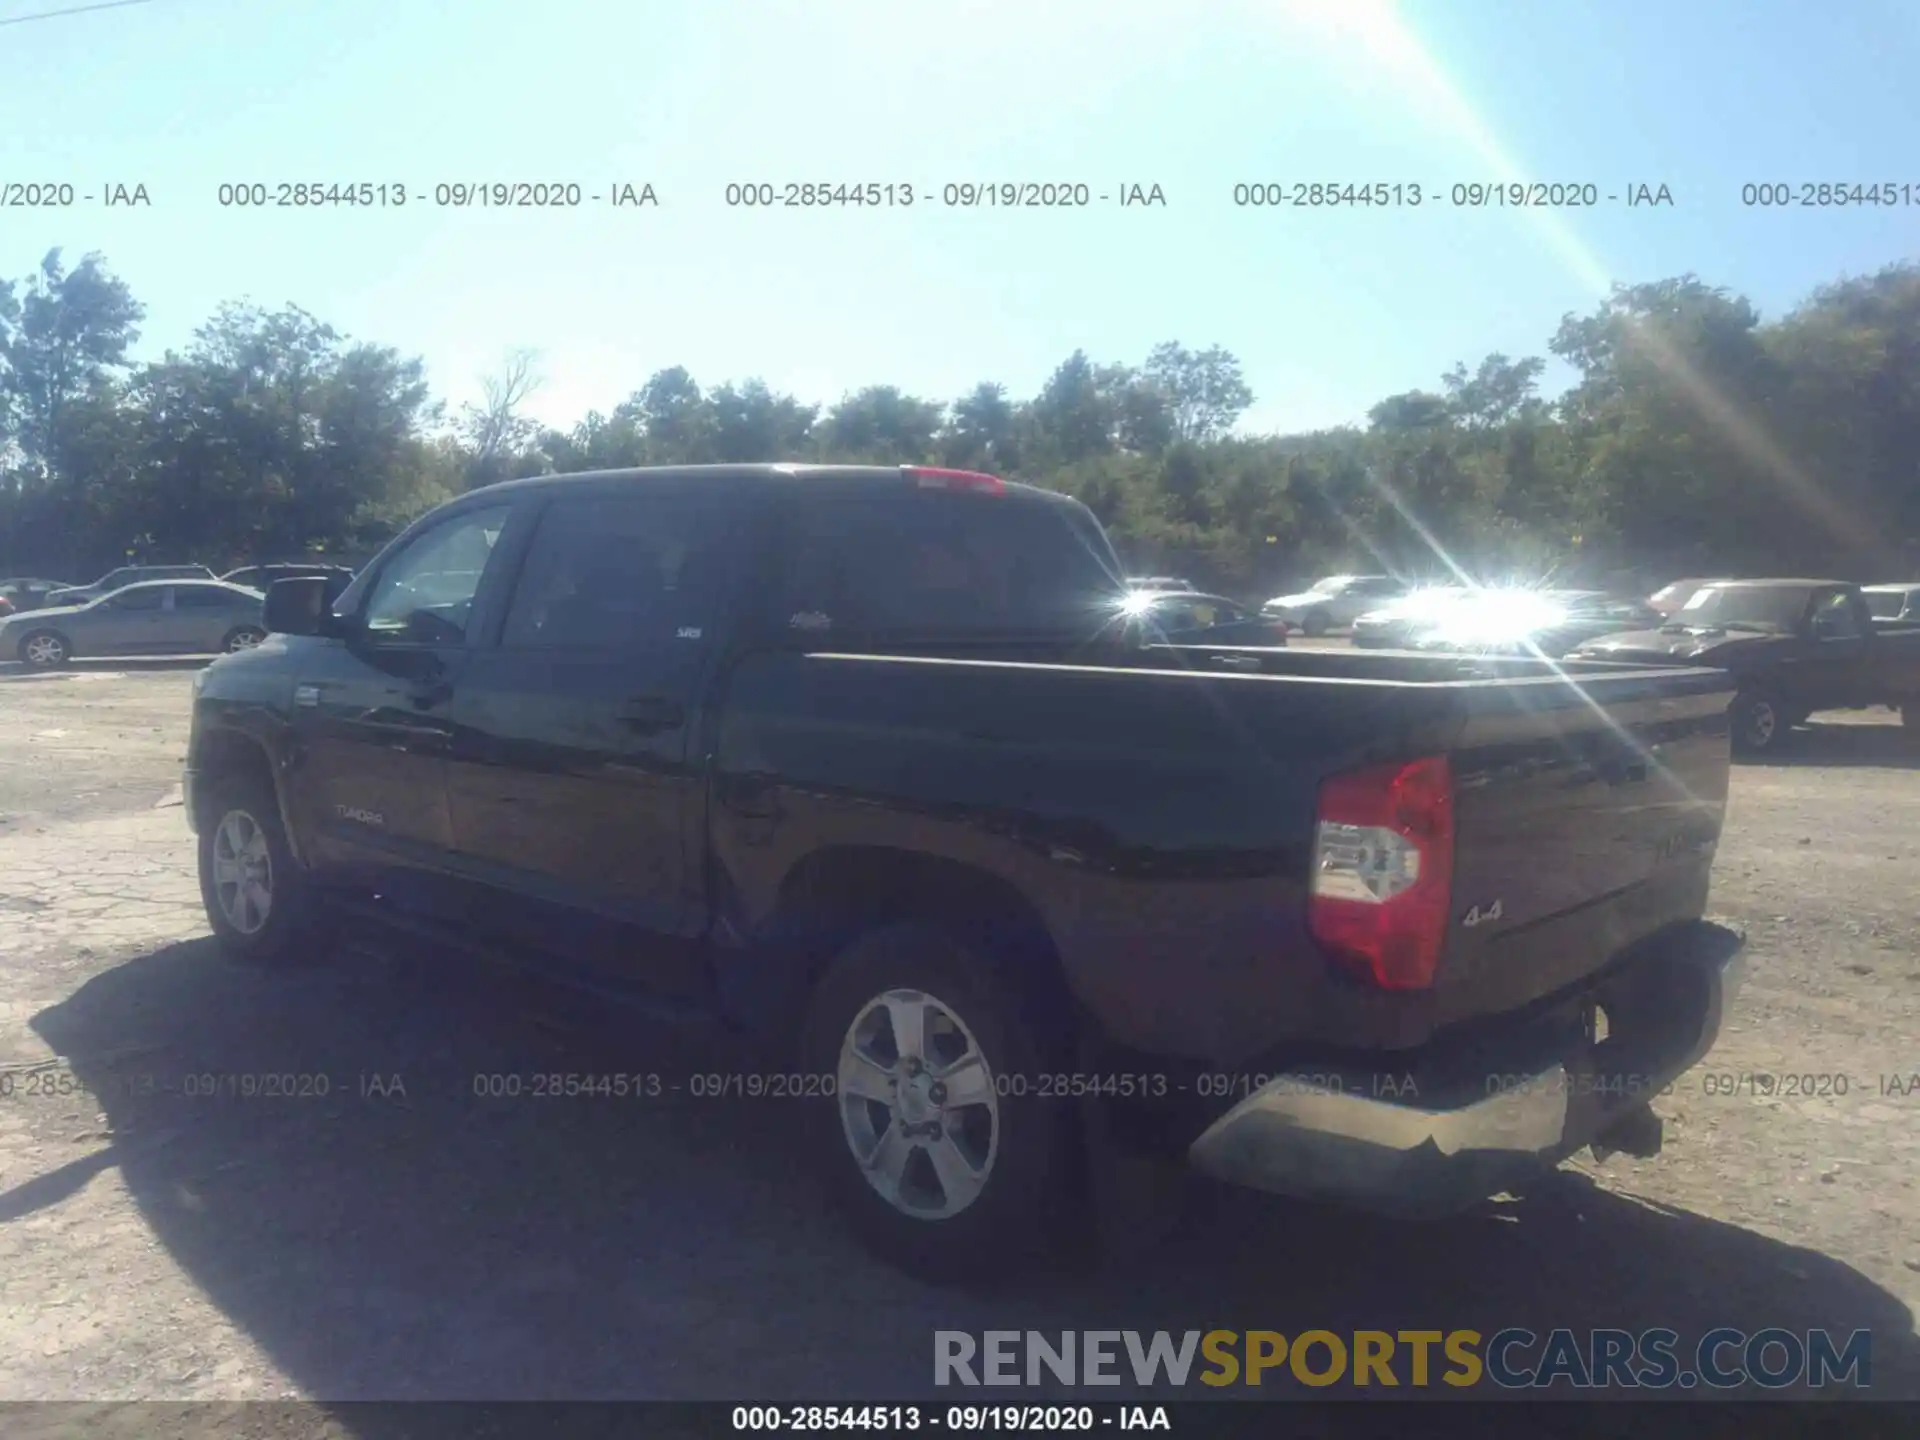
<point>368,778</point>
<point>126,623</point>
<point>1833,670</point>
<point>573,786</point>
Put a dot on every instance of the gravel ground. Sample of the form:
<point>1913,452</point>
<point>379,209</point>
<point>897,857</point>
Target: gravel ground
<point>397,1237</point>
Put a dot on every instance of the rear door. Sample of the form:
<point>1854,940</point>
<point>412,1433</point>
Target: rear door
<point>200,619</point>
<point>575,793</point>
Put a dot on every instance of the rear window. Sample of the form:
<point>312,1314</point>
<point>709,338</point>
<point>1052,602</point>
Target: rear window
<point>1884,605</point>
<point>930,564</point>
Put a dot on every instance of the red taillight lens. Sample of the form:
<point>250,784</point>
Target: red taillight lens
<point>1382,885</point>
<point>934,477</point>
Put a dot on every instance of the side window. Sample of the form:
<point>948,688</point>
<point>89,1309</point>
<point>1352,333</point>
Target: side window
<point>425,594</point>
<point>1834,618</point>
<point>149,598</point>
<point>200,597</point>
<point>619,572</point>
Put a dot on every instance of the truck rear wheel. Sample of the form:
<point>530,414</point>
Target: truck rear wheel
<point>936,1142</point>
<point>1759,724</point>
<point>257,897</point>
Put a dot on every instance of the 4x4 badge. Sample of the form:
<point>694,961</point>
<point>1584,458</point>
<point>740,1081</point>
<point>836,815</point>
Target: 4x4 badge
<point>1477,916</point>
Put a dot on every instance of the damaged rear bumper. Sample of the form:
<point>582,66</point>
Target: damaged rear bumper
<point>1439,1131</point>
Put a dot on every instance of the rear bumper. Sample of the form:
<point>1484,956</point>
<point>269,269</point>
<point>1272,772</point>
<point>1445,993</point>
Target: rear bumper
<point>1434,1134</point>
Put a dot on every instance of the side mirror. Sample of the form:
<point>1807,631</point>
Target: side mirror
<point>300,606</point>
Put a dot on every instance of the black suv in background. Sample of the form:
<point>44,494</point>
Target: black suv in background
<point>868,767</point>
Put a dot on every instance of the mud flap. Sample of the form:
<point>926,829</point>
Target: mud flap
<point>1638,1133</point>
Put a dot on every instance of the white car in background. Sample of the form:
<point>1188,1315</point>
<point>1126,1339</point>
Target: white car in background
<point>1335,602</point>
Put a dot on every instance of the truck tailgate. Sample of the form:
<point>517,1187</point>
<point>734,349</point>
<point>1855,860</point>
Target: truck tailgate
<point>1585,818</point>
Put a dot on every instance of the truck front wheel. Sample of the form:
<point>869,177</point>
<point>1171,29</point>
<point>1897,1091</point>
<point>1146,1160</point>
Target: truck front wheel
<point>1759,725</point>
<point>257,896</point>
<point>938,1142</point>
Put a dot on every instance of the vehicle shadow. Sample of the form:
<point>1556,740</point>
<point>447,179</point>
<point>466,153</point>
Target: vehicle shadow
<point>14,670</point>
<point>408,1238</point>
<point>1885,746</point>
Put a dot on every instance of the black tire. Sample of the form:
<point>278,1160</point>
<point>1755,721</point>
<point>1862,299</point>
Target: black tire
<point>242,637</point>
<point>1019,1215</point>
<point>1760,725</point>
<point>296,927</point>
<point>36,640</point>
<point>1315,623</point>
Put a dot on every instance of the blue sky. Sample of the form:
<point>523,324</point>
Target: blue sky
<point>1328,311</point>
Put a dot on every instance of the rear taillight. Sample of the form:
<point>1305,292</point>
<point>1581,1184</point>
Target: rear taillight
<point>1382,885</point>
<point>934,478</point>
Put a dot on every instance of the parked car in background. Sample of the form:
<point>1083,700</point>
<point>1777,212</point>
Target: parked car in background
<point>127,575</point>
<point>21,593</point>
<point>1888,602</point>
<point>851,762</point>
<point>1399,624</point>
<point>1669,598</point>
<point>1547,623</point>
<point>1186,617</point>
<point>154,617</point>
<point>259,577</point>
<point>1793,647</point>
<point>1158,582</point>
<point>1334,603</point>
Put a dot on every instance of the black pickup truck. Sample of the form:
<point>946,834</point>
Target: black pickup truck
<point>857,765</point>
<point>1792,646</point>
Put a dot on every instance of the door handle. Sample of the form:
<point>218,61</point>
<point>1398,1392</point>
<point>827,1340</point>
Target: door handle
<point>648,713</point>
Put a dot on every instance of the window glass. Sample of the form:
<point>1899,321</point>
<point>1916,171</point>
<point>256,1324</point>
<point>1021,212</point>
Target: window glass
<point>200,597</point>
<point>425,593</point>
<point>617,572</point>
<point>1205,613</point>
<point>1885,604</point>
<point>1834,618</point>
<point>930,564</point>
<point>147,597</point>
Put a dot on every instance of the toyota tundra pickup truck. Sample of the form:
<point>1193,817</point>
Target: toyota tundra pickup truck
<point>868,768</point>
<point>1792,646</point>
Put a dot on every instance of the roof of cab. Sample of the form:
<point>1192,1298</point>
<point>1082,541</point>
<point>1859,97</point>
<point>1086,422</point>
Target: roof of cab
<point>754,474</point>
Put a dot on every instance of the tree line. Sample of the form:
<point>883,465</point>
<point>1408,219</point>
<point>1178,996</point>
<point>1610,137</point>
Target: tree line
<point>1696,439</point>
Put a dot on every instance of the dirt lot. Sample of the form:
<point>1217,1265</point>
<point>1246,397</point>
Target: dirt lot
<point>398,1237</point>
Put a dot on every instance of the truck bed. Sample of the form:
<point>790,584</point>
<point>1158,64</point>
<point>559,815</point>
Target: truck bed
<point>1158,808</point>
